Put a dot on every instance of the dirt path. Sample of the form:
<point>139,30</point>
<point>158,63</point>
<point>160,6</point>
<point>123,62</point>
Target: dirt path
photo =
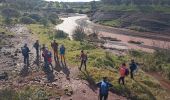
<point>64,79</point>
<point>163,82</point>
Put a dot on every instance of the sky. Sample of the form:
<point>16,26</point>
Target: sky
<point>72,0</point>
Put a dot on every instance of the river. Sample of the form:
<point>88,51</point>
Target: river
<point>148,43</point>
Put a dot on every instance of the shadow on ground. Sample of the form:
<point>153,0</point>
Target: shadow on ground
<point>90,80</point>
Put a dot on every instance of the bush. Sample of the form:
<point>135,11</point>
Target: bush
<point>10,13</point>
<point>60,34</point>
<point>44,21</point>
<point>53,18</point>
<point>8,20</point>
<point>8,94</point>
<point>79,34</point>
<point>27,20</point>
<point>36,17</point>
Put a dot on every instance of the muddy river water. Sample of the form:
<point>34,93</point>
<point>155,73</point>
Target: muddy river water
<point>148,44</point>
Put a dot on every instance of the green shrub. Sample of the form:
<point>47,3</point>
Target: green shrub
<point>27,20</point>
<point>36,17</point>
<point>79,34</point>
<point>8,94</point>
<point>7,20</point>
<point>60,34</point>
<point>53,18</point>
<point>44,21</point>
<point>10,13</point>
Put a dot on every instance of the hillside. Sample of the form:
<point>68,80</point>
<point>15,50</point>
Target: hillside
<point>25,21</point>
<point>140,17</point>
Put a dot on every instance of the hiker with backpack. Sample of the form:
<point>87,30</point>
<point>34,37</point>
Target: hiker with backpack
<point>123,72</point>
<point>47,58</point>
<point>104,86</point>
<point>54,46</point>
<point>83,58</point>
<point>25,52</point>
<point>133,67</point>
<point>62,54</point>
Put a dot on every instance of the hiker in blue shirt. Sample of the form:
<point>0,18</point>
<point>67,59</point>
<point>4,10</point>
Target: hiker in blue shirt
<point>25,52</point>
<point>133,67</point>
<point>62,53</point>
<point>104,88</point>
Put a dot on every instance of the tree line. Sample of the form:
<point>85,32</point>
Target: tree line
<point>137,2</point>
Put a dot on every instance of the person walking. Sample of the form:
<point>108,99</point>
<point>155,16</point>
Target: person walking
<point>104,88</point>
<point>25,52</point>
<point>83,58</point>
<point>123,73</point>
<point>54,46</point>
<point>49,55</point>
<point>62,54</point>
<point>133,67</point>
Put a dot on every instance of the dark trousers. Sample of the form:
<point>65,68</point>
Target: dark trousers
<point>50,64</point>
<point>26,60</point>
<point>37,53</point>
<point>131,73</point>
<point>83,62</point>
<point>103,97</point>
<point>122,79</point>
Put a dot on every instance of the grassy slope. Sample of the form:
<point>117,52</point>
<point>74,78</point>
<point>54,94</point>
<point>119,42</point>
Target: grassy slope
<point>143,88</point>
<point>131,8</point>
<point>144,8</point>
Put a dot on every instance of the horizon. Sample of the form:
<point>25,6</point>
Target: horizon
<point>72,0</point>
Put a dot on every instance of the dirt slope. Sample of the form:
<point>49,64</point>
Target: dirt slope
<point>63,80</point>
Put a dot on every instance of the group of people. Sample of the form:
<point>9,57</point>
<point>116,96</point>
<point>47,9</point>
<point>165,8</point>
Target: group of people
<point>47,54</point>
<point>104,85</point>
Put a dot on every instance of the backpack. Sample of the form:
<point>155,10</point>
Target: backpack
<point>24,51</point>
<point>49,55</point>
<point>103,88</point>
<point>126,71</point>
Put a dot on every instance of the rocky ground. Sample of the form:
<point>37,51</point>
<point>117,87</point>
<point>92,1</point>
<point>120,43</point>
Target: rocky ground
<point>64,80</point>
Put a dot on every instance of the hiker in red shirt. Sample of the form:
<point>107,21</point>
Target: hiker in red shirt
<point>47,58</point>
<point>123,73</point>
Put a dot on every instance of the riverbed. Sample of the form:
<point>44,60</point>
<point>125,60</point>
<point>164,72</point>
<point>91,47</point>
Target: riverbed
<point>148,44</point>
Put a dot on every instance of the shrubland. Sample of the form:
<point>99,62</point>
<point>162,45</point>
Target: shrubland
<point>102,63</point>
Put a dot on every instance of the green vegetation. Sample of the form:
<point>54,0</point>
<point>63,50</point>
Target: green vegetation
<point>158,61</point>
<point>29,92</point>
<point>113,23</point>
<point>79,33</point>
<point>40,17</point>
<point>101,63</point>
<point>29,12</point>
<point>60,34</point>
<point>135,8</point>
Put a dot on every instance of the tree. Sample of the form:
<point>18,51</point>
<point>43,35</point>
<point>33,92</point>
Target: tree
<point>60,34</point>
<point>36,17</point>
<point>44,21</point>
<point>10,13</point>
<point>53,18</point>
<point>8,20</point>
<point>93,6</point>
<point>79,34</point>
<point>27,20</point>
